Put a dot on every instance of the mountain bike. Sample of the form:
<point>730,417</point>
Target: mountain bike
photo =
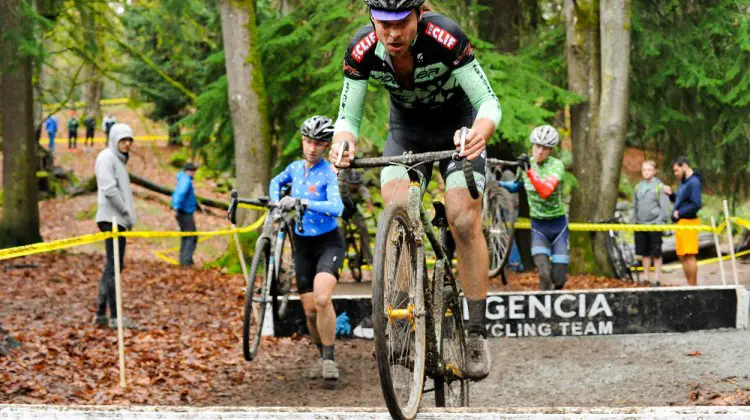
<point>417,321</point>
<point>352,228</point>
<point>498,216</point>
<point>272,269</point>
<point>619,252</point>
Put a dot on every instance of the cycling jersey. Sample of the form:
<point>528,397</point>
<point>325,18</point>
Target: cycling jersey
<point>319,186</point>
<point>445,77</point>
<point>541,208</point>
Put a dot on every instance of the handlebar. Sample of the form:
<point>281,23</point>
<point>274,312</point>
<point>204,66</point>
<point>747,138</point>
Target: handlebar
<point>235,201</point>
<point>410,160</point>
<point>498,162</point>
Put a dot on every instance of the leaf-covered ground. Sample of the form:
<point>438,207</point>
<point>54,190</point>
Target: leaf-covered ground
<point>186,350</point>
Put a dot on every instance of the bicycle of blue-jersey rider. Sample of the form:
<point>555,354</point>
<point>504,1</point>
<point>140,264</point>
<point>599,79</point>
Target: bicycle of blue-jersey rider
<point>271,270</point>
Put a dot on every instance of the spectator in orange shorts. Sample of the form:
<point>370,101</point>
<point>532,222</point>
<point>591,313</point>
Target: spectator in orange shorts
<point>687,203</point>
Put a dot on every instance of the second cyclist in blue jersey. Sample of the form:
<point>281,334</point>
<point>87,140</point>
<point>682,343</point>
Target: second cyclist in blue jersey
<point>437,86</point>
<point>318,245</point>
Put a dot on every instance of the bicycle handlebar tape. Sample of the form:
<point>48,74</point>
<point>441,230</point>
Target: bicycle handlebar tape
<point>471,183</point>
<point>346,198</point>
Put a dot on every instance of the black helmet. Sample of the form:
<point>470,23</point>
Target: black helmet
<point>318,127</point>
<point>393,5</point>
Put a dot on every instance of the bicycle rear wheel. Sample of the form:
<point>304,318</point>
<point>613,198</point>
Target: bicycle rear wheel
<point>255,300</point>
<point>616,259</point>
<point>498,228</point>
<point>398,314</point>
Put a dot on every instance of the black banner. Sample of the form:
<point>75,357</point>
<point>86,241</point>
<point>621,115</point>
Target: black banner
<point>574,313</point>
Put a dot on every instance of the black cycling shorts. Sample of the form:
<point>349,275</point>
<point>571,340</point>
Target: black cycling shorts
<point>417,135</point>
<point>648,244</point>
<point>317,254</point>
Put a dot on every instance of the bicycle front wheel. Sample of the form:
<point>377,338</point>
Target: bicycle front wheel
<point>452,388</point>
<point>255,300</point>
<point>398,314</point>
<point>284,268</point>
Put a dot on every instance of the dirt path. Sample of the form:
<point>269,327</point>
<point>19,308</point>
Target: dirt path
<point>187,351</point>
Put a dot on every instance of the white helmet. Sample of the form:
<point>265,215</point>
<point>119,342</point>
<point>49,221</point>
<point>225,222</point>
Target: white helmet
<point>545,135</point>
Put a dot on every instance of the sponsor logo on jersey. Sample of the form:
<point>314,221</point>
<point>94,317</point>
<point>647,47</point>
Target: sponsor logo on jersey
<point>364,45</point>
<point>441,35</point>
<point>467,51</point>
<point>351,71</point>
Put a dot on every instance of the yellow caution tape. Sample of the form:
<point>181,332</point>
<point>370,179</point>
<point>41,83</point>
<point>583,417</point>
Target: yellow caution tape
<point>740,222</point>
<point>245,229</point>
<point>701,262</point>
<point>37,248</point>
<point>251,207</point>
<point>114,101</point>
<point>160,253</point>
<point>603,227</point>
<point>21,251</point>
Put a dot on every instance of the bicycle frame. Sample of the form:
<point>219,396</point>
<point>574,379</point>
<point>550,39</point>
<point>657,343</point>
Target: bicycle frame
<point>442,277</point>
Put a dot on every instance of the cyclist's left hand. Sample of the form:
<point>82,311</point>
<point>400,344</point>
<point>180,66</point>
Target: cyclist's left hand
<point>475,144</point>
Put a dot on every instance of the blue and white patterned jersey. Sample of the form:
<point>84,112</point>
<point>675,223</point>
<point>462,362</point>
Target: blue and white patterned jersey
<point>320,187</point>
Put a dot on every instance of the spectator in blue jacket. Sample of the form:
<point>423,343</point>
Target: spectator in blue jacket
<point>51,126</point>
<point>687,203</point>
<point>184,203</point>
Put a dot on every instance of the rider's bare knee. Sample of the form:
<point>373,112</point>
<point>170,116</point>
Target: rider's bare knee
<point>322,301</point>
<point>465,222</point>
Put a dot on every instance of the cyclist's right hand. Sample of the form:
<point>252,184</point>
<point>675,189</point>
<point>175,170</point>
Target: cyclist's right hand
<point>342,149</point>
<point>287,203</point>
<point>524,162</point>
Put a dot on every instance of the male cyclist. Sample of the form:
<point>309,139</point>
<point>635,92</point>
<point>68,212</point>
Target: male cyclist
<point>437,87</point>
<point>319,247</point>
<point>549,225</point>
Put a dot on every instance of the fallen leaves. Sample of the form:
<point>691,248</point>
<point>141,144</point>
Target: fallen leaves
<point>700,396</point>
<point>695,353</point>
<point>186,350</point>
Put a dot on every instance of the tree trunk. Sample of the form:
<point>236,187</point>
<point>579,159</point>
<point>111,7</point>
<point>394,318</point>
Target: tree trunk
<point>20,222</point>
<point>501,23</point>
<point>247,100</point>
<point>582,50</point>
<point>92,89</point>
<point>598,70</point>
<point>613,113</point>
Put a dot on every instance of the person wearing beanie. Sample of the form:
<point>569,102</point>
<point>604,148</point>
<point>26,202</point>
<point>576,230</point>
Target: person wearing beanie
<point>114,199</point>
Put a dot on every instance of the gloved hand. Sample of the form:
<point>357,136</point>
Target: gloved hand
<point>511,186</point>
<point>287,203</point>
<point>524,162</point>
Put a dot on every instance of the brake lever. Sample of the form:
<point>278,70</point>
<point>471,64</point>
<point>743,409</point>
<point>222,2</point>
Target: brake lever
<point>463,133</point>
<point>342,148</point>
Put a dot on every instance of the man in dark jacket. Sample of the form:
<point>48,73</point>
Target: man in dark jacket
<point>184,203</point>
<point>72,131</point>
<point>687,203</point>
<point>90,124</point>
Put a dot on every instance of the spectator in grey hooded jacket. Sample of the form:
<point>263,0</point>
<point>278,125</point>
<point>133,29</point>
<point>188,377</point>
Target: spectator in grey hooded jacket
<point>651,207</point>
<point>115,199</point>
